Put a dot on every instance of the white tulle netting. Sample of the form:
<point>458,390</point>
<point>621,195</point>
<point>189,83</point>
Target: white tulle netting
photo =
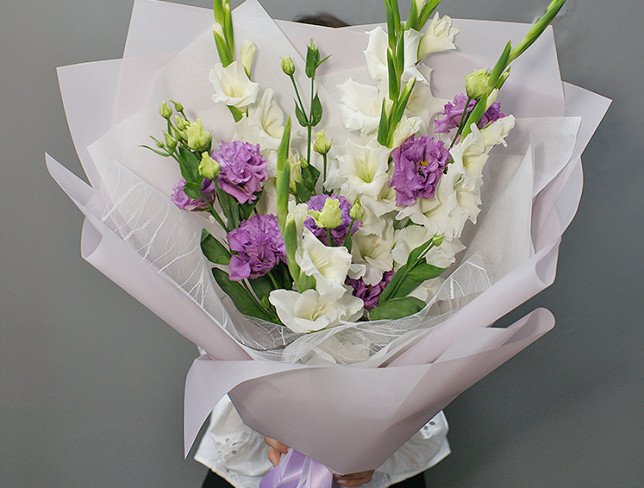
<point>169,239</point>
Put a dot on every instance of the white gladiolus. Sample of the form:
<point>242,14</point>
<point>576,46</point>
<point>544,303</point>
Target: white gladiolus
<point>232,86</point>
<point>422,102</point>
<point>407,127</point>
<point>438,37</point>
<point>473,152</point>
<point>360,106</point>
<point>363,169</point>
<point>328,265</point>
<point>409,238</point>
<point>426,291</point>
<point>264,125</point>
<point>376,56</point>
<point>449,210</point>
<point>374,251</point>
<point>310,311</point>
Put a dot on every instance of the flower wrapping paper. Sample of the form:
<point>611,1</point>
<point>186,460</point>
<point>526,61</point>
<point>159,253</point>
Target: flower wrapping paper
<point>366,410</point>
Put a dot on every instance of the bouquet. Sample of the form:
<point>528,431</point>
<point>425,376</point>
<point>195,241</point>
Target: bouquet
<point>335,229</point>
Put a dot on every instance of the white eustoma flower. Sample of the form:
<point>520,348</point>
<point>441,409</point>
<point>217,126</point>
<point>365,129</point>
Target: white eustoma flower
<point>473,152</point>
<point>232,86</point>
<point>360,106</point>
<point>374,251</point>
<point>376,56</point>
<point>363,168</point>
<point>264,125</point>
<point>328,265</point>
<point>311,311</point>
<point>438,37</point>
<point>409,238</point>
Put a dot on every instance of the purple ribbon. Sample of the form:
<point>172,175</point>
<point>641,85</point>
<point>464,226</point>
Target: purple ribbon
<point>298,471</point>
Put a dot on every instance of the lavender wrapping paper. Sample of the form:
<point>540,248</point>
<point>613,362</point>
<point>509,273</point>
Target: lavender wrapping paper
<point>356,407</point>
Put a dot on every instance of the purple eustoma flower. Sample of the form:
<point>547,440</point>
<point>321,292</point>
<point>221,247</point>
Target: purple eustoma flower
<point>419,163</point>
<point>258,246</point>
<point>243,170</point>
<point>339,233</point>
<point>453,114</point>
<point>184,202</point>
<point>370,294</point>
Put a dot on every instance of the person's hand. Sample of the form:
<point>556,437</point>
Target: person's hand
<point>355,479</point>
<point>276,449</point>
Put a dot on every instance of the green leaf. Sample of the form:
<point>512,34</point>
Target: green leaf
<point>242,299</point>
<point>230,208</point>
<point>397,309</point>
<point>283,182</point>
<point>417,252</point>
<point>262,287</point>
<point>237,114</point>
<point>383,128</point>
<point>156,151</point>
<point>310,176</point>
<point>425,271</point>
<point>189,166</point>
<point>301,116</point>
<point>192,190</point>
<point>316,110</point>
<point>214,250</point>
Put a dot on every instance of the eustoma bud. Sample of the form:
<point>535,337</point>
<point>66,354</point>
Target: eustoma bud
<point>322,144</point>
<point>477,84</point>
<point>287,66</point>
<point>209,168</point>
<point>165,111</point>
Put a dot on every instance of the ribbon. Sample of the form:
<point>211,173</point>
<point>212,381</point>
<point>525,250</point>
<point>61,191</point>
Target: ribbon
<point>298,471</point>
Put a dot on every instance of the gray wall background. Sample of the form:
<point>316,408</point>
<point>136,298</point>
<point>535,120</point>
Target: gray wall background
<point>92,382</point>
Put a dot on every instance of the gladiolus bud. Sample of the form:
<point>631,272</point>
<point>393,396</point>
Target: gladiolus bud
<point>248,56</point>
<point>356,212</point>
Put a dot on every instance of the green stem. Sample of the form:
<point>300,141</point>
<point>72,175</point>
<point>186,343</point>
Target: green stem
<point>273,281</point>
<point>213,212</point>
<point>462,122</point>
<point>309,129</point>
<point>329,237</point>
<point>324,159</point>
<point>297,92</point>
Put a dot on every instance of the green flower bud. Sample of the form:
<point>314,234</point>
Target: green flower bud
<point>209,168</point>
<point>247,57</point>
<point>287,66</point>
<point>322,144</point>
<point>199,139</point>
<point>170,142</point>
<point>296,163</point>
<point>165,111</point>
<point>438,240</point>
<point>180,122</point>
<point>331,215</point>
<point>356,212</point>
<point>477,84</point>
<point>177,106</point>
